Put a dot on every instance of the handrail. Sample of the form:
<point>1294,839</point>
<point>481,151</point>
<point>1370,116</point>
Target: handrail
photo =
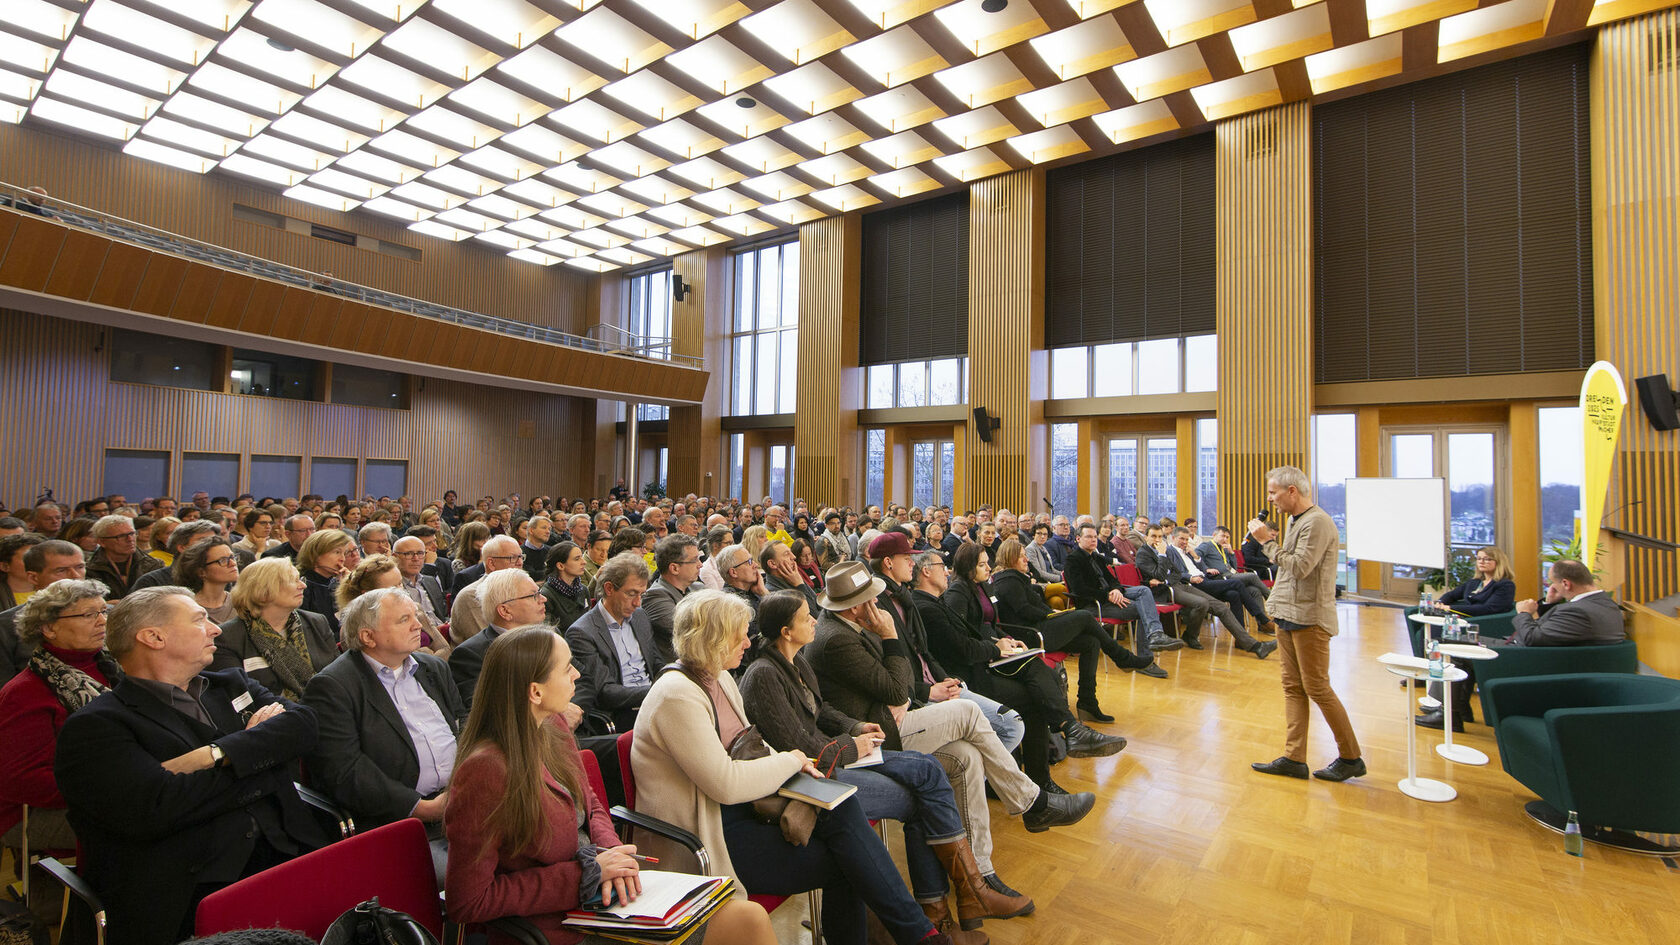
<point>643,345</point>
<point>152,238</point>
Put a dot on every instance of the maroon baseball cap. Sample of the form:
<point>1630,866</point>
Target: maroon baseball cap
<point>888,544</point>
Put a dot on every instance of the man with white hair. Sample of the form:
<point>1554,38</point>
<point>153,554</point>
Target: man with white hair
<point>510,600</point>
<point>468,615</point>
<point>378,771</point>
<point>422,588</point>
<point>375,539</point>
<point>118,562</point>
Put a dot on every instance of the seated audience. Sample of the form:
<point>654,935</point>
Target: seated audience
<point>1231,597</point>
<point>1219,559</point>
<point>297,529</point>
<point>63,626</point>
<point>178,780</point>
<point>44,563</point>
<point>1491,591</point>
<point>12,549</point>
<point>277,643</point>
<point>370,574</point>
<point>1158,576</point>
<point>467,555</point>
<point>1092,586</point>
<point>510,599</point>
<point>535,546</point>
<point>781,572</point>
<point>531,839</point>
<point>613,644</point>
<point>468,615</point>
<point>595,554</point>
<point>676,566</point>
<point>118,563</point>
<point>780,692</point>
<point>208,568</point>
<point>565,595</point>
<point>374,538</point>
<point>1039,565</point>
<point>424,589</point>
<point>685,775</point>
<point>181,537</point>
<point>1254,552</point>
<point>256,526</point>
<point>323,561</point>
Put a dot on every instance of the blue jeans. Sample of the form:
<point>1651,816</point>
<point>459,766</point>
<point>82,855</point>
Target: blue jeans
<point>843,858</point>
<point>1006,722</point>
<point>912,788</point>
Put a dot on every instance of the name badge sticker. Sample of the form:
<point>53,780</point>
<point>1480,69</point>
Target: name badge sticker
<point>255,663</point>
<point>242,702</point>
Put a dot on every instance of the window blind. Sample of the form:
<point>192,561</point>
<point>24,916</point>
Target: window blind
<point>914,302</point>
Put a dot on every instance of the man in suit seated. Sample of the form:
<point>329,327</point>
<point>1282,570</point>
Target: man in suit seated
<point>468,614</point>
<point>179,781</point>
<point>1092,586</point>
<point>297,530</point>
<point>676,558</point>
<point>1254,552</point>
<point>1231,597</point>
<point>43,563</point>
<point>1218,558</point>
<point>1576,612</point>
<point>388,715</point>
<point>422,588</point>
<point>511,600</point>
<point>613,646</point>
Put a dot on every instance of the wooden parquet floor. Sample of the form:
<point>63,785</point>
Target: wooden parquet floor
<point>1187,846</point>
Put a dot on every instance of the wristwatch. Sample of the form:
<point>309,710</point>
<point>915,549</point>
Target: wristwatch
<point>217,756</point>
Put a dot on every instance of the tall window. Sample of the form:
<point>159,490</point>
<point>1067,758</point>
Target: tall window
<point>1560,474</point>
<point>1064,468</point>
<point>875,459</point>
<point>940,382</point>
<point>1163,478</point>
<point>1156,366</point>
<point>764,344</point>
<point>931,470</point>
<point>737,462</point>
<point>1207,477</point>
<point>648,318</point>
<point>781,469</point>
<point>1334,461</point>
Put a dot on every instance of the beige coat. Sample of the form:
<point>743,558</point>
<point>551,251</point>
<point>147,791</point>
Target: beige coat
<point>1305,592</point>
<point>683,772</point>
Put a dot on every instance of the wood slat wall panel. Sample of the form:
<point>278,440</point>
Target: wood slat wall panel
<point>1265,387</point>
<point>1005,335</point>
<point>463,275</point>
<point>826,442</point>
<point>1636,268</point>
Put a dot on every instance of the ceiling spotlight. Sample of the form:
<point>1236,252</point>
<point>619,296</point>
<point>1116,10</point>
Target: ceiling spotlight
<point>285,48</point>
<point>993,6</point>
<point>746,101</point>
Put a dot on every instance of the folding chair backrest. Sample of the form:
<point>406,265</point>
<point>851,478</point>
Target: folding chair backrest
<point>624,771</point>
<point>1128,574</point>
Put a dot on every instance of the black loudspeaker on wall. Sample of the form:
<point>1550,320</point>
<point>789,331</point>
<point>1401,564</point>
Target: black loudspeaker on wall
<point>985,424</point>
<point>1660,402</point>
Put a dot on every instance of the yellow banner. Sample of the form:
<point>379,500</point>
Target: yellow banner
<point>1603,398</point>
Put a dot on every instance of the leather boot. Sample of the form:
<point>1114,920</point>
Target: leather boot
<point>940,915</point>
<point>975,899</point>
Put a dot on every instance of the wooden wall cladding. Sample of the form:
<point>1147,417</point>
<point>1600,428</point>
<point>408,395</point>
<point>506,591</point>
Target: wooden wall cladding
<point>60,412</point>
<point>38,253</point>
<point>1265,386</point>
<point>200,206</point>
<point>826,444</point>
<point>1636,264</point>
<point>1005,328</point>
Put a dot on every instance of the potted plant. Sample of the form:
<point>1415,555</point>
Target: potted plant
<point>1460,567</point>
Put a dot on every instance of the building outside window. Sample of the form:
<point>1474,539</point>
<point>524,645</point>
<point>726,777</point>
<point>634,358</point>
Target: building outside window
<point>1158,366</point>
<point>939,382</point>
<point>648,319</point>
<point>875,463</point>
<point>764,339</point>
<point>1064,468</point>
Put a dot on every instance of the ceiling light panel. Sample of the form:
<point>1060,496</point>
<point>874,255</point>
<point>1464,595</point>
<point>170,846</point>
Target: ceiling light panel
<point>321,134</point>
<point>652,95</point>
<point>1293,35</point>
<point>707,173</point>
<point>26,53</point>
<point>682,138</point>
<point>532,256</point>
<point>322,198</point>
<point>1164,73</point>
<point>744,224</point>
<point>162,154</point>
<point>624,256</point>
<point>264,98</point>
<point>972,165</point>
<point>82,119</point>
<point>20,87</point>
<point>505,240</point>
<point>983,32</point>
<point>1490,28</point>
<point>637,227</point>
<point>628,160</point>
<point>778,186</point>
<point>188,137</point>
<point>1085,9</point>
<point>467,220</point>
<point>342,105</point>
<point>432,45</point>
<point>599,238</point>
<point>383,169</point>
<point>1388,16</point>
<point>38,19</point>
<point>317,24</point>
<point>1181,21</point>
<point>681,215</point>
<point>1372,59</point>
<point>1049,145</point>
<point>1060,104</point>
<point>696,18</point>
<point>392,81</point>
<point>413,149</point>
<point>611,204</point>
<point>543,143</point>
<point>659,246</point>
<point>595,121</point>
<point>501,163</point>
<point>1235,96</point>
<point>581,180</point>
<point>812,89</point>
<point>247,166</point>
<point>845,198</point>
<point>744,115</point>
<point>592,264</point>
<point>794,212</point>
<point>727,200</point>
<point>836,169</point>
<point>719,64</point>
<point>285,152</point>
<point>798,29</point>
<point>564,248</point>
<point>510,22</point>
<point>438,230</point>
<point>78,88</point>
<point>903,149</point>
<point>427,196</point>
<point>698,236</point>
<point>251,50</point>
<point>889,13</point>
<point>498,102</point>
<point>906,182</point>
<point>900,108</point>
<point>551,73</point>
<point>219,15</point>
<point>442,122</point>
<point>109,61</point>
<point>895,57</point>
<point>125,24</point>
<point>975,128</point>
<point>538,193</point>
<point>1136,121</point>
<point>462,181</point>
<point>349,184</point>
<point>984,81</point>
<point>657,189</point>
<point>1094,44</point>
<point>572,217</point>
<point>827,133</point>
<point>763,153</point>
<point>612,39</point>
<point>535,230</point>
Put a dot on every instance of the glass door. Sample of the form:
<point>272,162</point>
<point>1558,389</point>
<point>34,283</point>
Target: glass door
<point>1468,459</point>
<point>1143,475</point>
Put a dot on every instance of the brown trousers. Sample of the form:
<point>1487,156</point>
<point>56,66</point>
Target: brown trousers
<point>1306,677</point>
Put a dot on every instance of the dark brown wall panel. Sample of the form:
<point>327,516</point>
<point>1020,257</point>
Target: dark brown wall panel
<point>77,268</point>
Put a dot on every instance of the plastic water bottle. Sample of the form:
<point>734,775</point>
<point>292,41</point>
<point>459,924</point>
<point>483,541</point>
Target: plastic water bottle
<point>1572,835</point>
<point>1437,668</point>
<point>1427,605</point>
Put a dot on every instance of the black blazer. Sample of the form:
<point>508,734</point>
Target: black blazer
<point>148,837</point>
<point>444,572</point>
<point>1152,567</point>
<point>464,577</point>
<point>318,597</point>
<point>13,656</point>
<point>466,660</point>
<point>235,646</point>
<point>1019,601</point>
<point>1088,579</point>
<point>365,759</point>
<point>563,610</point>
<point>954,631</point>
<point>596,658</point>
<point>434,593</point>
<point>1476,599</point>
<point>914,635</point>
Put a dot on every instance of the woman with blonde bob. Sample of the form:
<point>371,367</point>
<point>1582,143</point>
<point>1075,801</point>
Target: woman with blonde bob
<point>323,561</point>
<point>527,835</point>
<point>685,775</point>
<point>279,644</point>
<point>369,574</point>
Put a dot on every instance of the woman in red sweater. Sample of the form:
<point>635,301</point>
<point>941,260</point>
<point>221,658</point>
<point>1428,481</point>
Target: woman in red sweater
<point>65,626</point>
<point>527,836</point>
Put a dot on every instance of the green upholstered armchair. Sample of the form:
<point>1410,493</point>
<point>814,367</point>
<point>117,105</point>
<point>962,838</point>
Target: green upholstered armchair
<point>1491,627</point>
<point>1601,744</point>
<point>1516,661</point>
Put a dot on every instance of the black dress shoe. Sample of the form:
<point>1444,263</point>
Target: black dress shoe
<point>998,886</point>
<point>1341,769</point>
<point>1282,766</point>
<point>1263,648</point>
<point>1154,671</point>
<point>1161,642</point>
<point>1086,742</point>
<point>1437,720</point>
<point>1060,810</point>
<point>1193,641</point>
<point>1091,712</point>
<point>1051,787</point>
